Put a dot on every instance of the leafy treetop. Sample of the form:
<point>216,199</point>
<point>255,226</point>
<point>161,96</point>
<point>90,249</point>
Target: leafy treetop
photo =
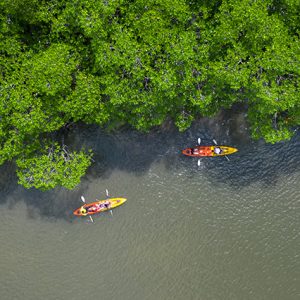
<point>137,63</point>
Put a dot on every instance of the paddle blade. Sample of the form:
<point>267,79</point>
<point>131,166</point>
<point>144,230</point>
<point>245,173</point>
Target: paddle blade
<point>199,162</point>
<point>91,219</point>
<point>82,199</point>
<point>227,157</point>
<point>111,213</point>
<point>215,142</point>
<point>199,141</point>
<point>107,194</point>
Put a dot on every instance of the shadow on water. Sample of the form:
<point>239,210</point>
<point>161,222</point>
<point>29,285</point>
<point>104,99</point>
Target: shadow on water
<point>53,204</point>
<point>135,152</point>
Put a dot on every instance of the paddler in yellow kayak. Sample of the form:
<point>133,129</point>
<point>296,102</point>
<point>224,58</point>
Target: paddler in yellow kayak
<point>83,211</point>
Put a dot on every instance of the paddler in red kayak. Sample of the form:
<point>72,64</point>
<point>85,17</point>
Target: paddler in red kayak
<point>218,150</point>
<point>83,211</point>
<point>95,208</point>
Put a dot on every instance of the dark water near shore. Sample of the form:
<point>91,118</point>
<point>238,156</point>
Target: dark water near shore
<point>224,230</point>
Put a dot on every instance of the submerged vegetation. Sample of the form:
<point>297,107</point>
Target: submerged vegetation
<point>139,62</point>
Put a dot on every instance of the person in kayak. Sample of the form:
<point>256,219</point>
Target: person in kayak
<point>218,150</point>
<point>194,151</point>
<point>95,208</point>
<point>107,204</point>
<point>83,211</point>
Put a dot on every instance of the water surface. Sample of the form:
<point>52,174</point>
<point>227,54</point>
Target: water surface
<point>224,230</point>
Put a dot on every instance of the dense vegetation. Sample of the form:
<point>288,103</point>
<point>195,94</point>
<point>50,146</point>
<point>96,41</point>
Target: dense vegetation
<point>138,62</point>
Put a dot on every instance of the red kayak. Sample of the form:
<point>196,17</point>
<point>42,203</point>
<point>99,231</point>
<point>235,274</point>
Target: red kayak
<point>98,206</point>
<point>199,151</point>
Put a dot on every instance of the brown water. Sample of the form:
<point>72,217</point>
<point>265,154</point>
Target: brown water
<point>224,230</point>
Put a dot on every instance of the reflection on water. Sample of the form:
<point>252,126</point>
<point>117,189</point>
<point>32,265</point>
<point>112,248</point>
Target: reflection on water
<point>224,230</point>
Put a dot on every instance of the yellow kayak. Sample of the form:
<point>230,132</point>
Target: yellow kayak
<point>98,206</point>
<point>199,151</point>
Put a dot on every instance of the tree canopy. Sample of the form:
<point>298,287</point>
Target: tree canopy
<point>139,62</point>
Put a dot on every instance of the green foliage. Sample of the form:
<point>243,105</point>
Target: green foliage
<point>140,62</point>
<point>31,97</point>
<point>257,56</point>
<point>58,167</point>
